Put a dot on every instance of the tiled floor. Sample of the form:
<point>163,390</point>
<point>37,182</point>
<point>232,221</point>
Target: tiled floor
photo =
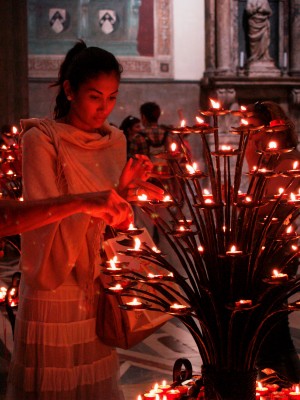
<point>149,362</point>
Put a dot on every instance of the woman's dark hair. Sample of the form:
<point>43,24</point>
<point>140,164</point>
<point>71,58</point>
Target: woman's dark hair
<point>267,111</point>
<point>128,123</point>
<point>80,64</point>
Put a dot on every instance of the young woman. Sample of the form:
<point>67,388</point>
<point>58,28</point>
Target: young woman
<point>57,354</point>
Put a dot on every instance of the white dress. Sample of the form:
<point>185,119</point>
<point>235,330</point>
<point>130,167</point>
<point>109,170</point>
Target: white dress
<point>57,354</point>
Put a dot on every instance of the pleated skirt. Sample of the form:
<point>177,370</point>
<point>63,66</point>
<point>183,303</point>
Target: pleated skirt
<point>57,355</point>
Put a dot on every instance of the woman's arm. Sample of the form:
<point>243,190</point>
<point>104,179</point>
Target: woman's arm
<point>18,216</point>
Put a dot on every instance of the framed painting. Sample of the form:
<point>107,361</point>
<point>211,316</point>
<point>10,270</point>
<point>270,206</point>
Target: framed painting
<point>138,32</point>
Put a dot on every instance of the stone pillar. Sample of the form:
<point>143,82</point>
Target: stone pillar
<point>13,61</point>
<point>210,49</point>
<point>223,37</point>
<point>295,38</point>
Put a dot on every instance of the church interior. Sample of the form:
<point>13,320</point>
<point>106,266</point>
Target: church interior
<point>181,55</point>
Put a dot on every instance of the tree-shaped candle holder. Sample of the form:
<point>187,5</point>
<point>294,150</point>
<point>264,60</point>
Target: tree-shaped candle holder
<point>228,297</point>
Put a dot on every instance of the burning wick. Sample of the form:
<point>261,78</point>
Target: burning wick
<point>233,251</point>
<point>215,105</point>
<point>244,122</point>
<point>116,288</point>
<point>279,276</point>
<point>134,303</point>
<point>243,303</point>
<point>272,146</point>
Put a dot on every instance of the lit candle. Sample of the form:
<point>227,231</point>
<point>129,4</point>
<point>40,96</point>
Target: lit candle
<point>215,104</point>
<point>178,308</point>
<point>173,394</point>
<point>137,245</point>
<point>243,303</point>
<point>117,288</point>
<point>143,197</point>
<point>201,123</point>
<point>3,291</point>
<point>279,276</point>
<point>164,386</point>
<point>272,147</point>
<point>173,148</point>
<point>150,395</point>
<point>293,199</point>
<point>233,251</point>
<point>262,390</point>
<point>134,303</point>
<point>114,265</point>
<point>295,394</point>
<point>200,249</point>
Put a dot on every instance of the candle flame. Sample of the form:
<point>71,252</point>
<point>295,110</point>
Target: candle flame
<point>155,249</point>
<point>200,249</point>
<point>214,104</point>
<point>14,130</point>
<point>190,169</point>
<point>294,248</point>
<point>137,244</point>
<point>295,165</point>
<point>113,261</point>
<point>143,197</point>
<point>118,286</point>
<point>139,397</point>
<point>289,229</point>
<point>272,145</point>
<point>297,389</point>
<point>173,146</point>
<point>275,272</point>
<point>199,120</point>
<point>225,147</point>
<point>244,122</point>
<point>248,199</point>
<point>233,249</point>
<point>182,123</point>
<point>131,227</point>
<point>206,192</point>
<point>21,198</point>
<point>167,198</point>
<point>280,190</point>
<point>243,108</point>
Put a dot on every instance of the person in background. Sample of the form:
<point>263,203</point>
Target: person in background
<point>284,358</point>
<point>131,126</point>
<point>57,354</point>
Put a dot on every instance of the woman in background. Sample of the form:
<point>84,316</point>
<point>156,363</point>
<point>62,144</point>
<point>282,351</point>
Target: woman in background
<point>284,358</point>
<point>57,354</point>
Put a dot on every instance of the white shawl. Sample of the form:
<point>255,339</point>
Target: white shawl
<point>59,159</point>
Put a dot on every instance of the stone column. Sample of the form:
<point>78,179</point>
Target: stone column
<point>13,61</point>
<point>295,38</point>
<point>223,37</point>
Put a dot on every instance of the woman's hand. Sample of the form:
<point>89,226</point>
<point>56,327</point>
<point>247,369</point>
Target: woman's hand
<point>133,179</point>
<point>109,206</point>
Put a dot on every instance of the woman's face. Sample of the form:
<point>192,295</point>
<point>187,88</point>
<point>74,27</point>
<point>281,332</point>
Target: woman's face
<point>136,128</point>
<point>92,103</point>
